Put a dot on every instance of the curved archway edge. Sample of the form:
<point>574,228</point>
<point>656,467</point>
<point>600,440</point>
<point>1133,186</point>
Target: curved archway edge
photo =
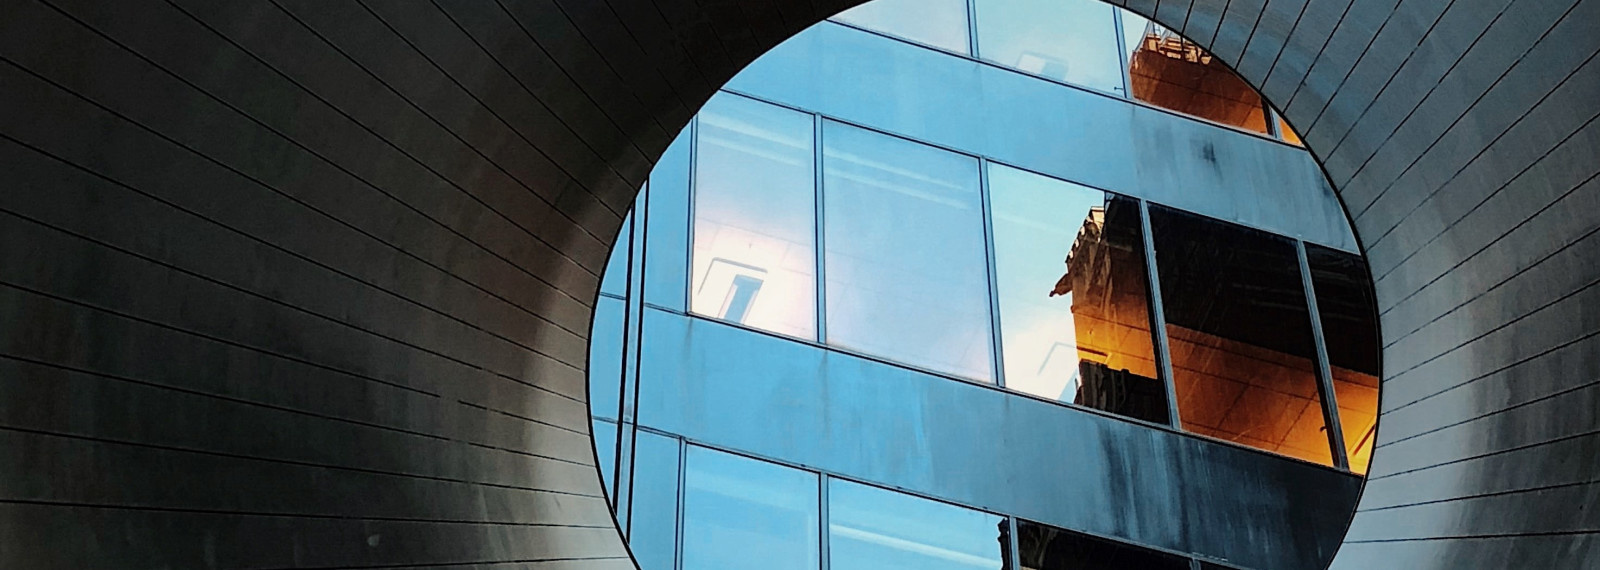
<point>307,284</point>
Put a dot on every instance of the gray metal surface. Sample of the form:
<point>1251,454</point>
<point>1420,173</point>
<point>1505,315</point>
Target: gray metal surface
<point>307,284</point>
<point>984,447</point>
<point>1046,127</point>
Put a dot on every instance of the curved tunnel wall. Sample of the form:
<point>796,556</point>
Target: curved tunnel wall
<point>306,284</point>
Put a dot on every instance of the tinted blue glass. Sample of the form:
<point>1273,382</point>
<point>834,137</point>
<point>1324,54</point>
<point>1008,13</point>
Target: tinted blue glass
<point>938,23</point>
<point>605,358</point>
<point>653,526</point>
<point>906,267</point>
<point>667,275</point>
<point>740,513</point>
<point>605,446</point>
<point>1074,302</point>
<point>615,279</point>
<point>755,216</point>
<point>1052,129</point>
<point>874,529</point>
<point>1066,40</point>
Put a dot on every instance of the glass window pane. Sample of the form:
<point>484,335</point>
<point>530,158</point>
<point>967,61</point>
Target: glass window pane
<point>666,279</point>
<point>1242,352</point>
<point>1066,40</point>
<point>754,256</point>
<point>938,23</point>
<point>653,526</point>
<point>1043,547</point>
<point>740,513</point>
<point>873,529</point>
<point>1349,314</point>
<point>1286,132</point>
<point>1074,302</point>
<point>605,358</point>
<point>615,280</point>
<point>605,448</point>
<point>906,266</point>
<point>1171,72</point>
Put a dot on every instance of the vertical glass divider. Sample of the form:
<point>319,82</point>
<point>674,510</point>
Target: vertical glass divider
<point>633,328</point>
<point>677,538</point>
<point>1272,118</point>
<point>1330,404</point>
<point>1122,56</point>
<point>1158,316</point>
<point>817,229</point>
<point>822,520</point>
<point>1016,552</point>
<point>622,382</point>
<point>1194,564</point>
<point>688,256</point>
<point>636,306</point>
<point>997,350</point>
<point>972,28</point>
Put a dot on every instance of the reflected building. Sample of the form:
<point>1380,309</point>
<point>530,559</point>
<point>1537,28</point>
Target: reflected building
<point>1008,284</point>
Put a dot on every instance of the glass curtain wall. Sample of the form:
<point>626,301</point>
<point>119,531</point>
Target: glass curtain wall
<point>976,270</point>
<point>737,512</point>
<point>1087,43</point>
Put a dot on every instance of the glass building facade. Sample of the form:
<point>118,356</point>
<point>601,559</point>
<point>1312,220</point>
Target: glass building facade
<point>867,314</point>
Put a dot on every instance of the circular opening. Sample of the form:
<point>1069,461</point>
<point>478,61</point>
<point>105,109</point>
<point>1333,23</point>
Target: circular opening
<point>957,284</point>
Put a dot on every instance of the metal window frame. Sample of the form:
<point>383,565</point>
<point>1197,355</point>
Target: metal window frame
<point>1158,317</point>
<point>997,355</point>
<point>972,29</point>
<point>1122,44</point>
<point>823,560</point>
<point>1330,403</point>
<point>818,229</point>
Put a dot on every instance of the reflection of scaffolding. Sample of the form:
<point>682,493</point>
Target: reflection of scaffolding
<point>1175,73</point>
<point>1163,41</point>
<point>1121,392</point>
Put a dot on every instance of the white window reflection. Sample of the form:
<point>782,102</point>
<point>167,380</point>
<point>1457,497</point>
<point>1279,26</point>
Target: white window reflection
<point>754,254</point>
<point>740,513</point>
<point>905,263</point>
<point>938,23</point>
<point>873,529</point>
<point>1066,40</point>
